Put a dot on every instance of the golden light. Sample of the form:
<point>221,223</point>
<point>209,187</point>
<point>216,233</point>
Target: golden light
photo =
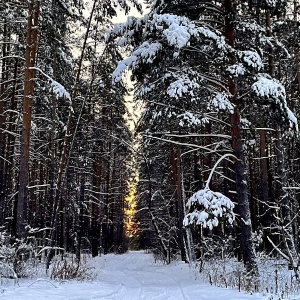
<point>130,223</point>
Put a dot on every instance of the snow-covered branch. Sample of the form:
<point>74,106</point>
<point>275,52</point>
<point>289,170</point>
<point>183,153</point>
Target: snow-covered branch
<point>56,87</point>
<point>272,89</point>
<point>206,207</point>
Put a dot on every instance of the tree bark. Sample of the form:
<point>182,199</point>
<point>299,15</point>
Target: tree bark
<point>264,213</point>
<point>286,206</point>
<point>246,243</point>
<point>2,123</point>
<point>65,153</point>
<point>30,57</point>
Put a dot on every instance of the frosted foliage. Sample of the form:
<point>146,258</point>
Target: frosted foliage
<point>145,90</point>
<point>291,116</point>
<point>251,26</point>
<point>66,58</point>
<point>179,29</point>
<point>220,40</point>
<point>124,30</point>
<point>221,102</point>
<point>236,70</point>
<point>181,86</point>
<point>269,88</point>
<point>206,207</point>
<point>7,271</point>
<point>146,53</point>
<point>271,3</point>
<point>124,2</point>
<point>189,119</point>
<point>59,90</point>
<point>252,59</point>
<point>177,35</point>
<point>272,89</point>
<point>245,123</point>
<point>176,29</point>
<point>67,7</point>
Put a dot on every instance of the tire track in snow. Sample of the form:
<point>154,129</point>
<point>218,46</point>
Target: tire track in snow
<point>153,285</point>
<point>132,276</point>
<point>161,280</point>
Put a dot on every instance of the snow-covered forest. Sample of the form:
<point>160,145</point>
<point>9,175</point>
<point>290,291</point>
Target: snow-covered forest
<point>173,132</point>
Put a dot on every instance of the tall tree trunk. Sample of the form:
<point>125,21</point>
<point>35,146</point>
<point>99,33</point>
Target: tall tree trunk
<point>246,243</point>
<point>177,182</point>
<point>264,213</point>
<point>96,211</point>
<point>180,205</point>
<point>286,206</point>
<point>2,122</point>
<point>31,49</point>
<point>65,153</point>
<point>79,228</point>
<point>285,201</point>
<point>10,185</point>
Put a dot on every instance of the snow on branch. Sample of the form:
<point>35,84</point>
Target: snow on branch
<point>166,30</point>
<point>144,90</point>
<point>135,3</point>
<point>56,87</point>
<point>292,118</point>
<point>67,8</point>
<point>146,53</point>
<point>49,248</point>
<point>253,26</point>
<point>190,119</point>
<point>176,30</point>
<point>271,3</point>
<point>183,85</point>
<point>269,88</point>
<point>221,101</point>
<point>206,207</point>
<point>179,30</point>
<point>236,70</point>
<point>272,89</point>
<point>251,58</point>
<point>218,39</point>
<point>124,30</point>
<point>59,90</point>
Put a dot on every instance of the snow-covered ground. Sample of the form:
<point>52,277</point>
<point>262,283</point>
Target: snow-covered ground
<point>131,276</point>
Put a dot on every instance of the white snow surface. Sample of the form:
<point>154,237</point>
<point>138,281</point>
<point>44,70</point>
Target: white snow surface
<point>131,276</point>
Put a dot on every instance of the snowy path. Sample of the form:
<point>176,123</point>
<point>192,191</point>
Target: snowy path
<point>132,276</point>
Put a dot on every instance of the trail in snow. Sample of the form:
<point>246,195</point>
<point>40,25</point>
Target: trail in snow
<point>131,276</point>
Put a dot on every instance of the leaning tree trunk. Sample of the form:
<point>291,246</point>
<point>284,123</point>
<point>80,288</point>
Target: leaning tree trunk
<point>246,243</point>
<point>30,57</point>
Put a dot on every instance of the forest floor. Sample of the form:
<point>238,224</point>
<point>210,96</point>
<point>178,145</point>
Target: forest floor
<point>131,276</point>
